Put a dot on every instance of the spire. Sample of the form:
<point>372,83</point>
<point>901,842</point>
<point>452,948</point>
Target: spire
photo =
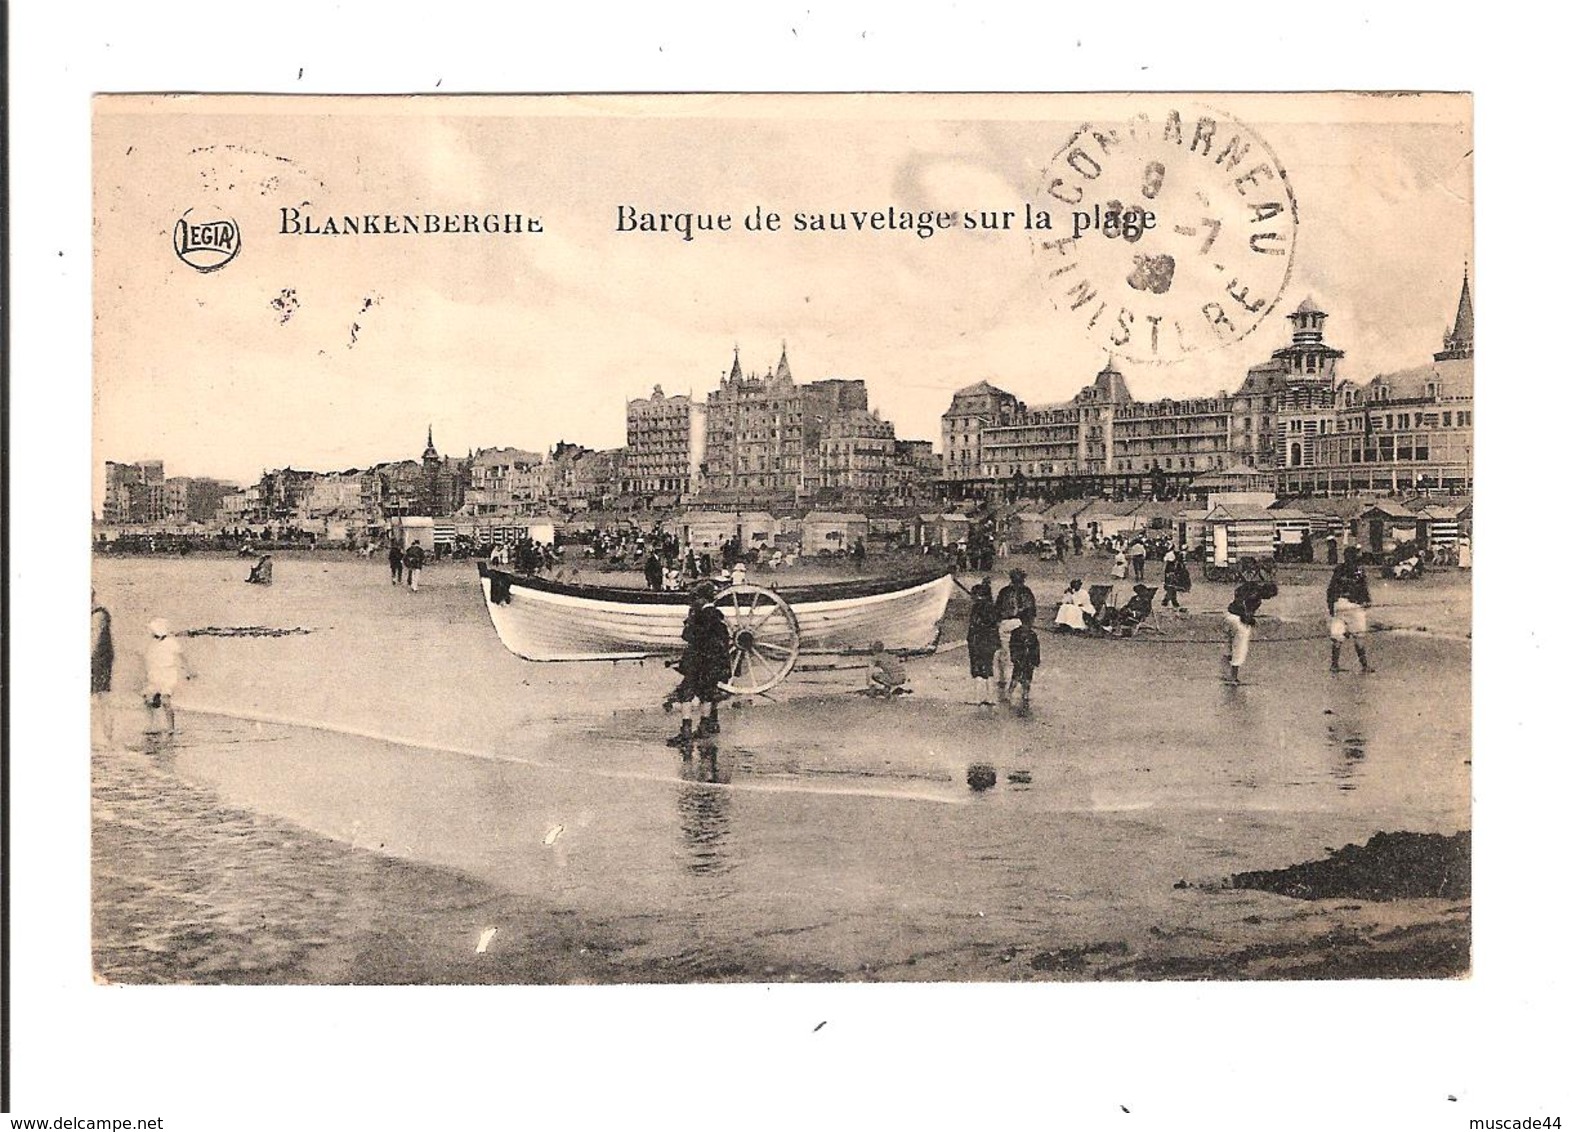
<point>783,369</point>
<point>431,448</point>
<point>1459,341</point>
<point>1463,325</point>
<point>736,363</point>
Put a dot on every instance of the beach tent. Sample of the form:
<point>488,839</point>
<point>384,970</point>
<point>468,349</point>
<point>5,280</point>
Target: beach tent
<point>1060,515</point>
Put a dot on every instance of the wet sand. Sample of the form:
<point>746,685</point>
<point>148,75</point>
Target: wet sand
<point>363,803</point>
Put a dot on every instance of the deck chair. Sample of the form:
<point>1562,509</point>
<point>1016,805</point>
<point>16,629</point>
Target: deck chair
<point>1136,615</point>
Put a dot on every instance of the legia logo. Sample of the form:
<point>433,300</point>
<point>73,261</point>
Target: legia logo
<point>206,244</point>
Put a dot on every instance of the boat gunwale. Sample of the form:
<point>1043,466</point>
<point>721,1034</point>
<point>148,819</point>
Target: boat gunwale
<point>812,593</point>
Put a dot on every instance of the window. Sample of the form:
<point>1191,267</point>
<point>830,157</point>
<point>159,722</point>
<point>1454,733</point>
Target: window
<point>1465,417</point>
<point>1402,420</point>
<point>1446,420</point>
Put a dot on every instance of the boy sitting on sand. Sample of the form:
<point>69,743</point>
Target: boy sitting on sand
<point>886,674</point>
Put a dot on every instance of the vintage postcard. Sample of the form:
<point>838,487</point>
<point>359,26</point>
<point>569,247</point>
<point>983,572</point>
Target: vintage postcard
<point>697,538</point>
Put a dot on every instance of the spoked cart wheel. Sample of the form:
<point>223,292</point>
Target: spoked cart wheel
<point>765,639</point>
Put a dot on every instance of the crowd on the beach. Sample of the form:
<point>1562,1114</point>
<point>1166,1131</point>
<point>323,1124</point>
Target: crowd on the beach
<point>1003,646</point>
<point>1004,650</point>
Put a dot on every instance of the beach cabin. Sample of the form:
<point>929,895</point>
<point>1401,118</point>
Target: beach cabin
<point>1294,534</point>
<point>1334,519</point>
<point>1103,518</point>
<point>1158,515</point>
<point>1190,528</point>
<point>938,530</point>
<point>826,532</point>
<point>542,530</point>
<point>757,529</point>
<point>1385,525</point>
<point>1438,526</point>
<point>706,530</point>
<point>413,530</point>
<point>887,530</point>
<point>1235,532</point>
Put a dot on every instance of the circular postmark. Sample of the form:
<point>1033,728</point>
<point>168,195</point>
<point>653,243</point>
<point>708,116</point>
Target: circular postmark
<point>1172,232</point>
<point>208,243</point>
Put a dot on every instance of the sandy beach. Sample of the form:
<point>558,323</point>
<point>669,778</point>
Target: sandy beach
<point>390,797</point>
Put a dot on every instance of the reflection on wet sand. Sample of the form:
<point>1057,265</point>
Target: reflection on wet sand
<point>1347,735</point>
<point>705,813</point>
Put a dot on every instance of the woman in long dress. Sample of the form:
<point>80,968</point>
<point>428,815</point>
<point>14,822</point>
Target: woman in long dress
<point>982,641</point>
<point>1075,606</point>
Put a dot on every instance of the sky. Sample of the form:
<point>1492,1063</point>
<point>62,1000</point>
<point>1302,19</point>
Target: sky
<point>524,340</point>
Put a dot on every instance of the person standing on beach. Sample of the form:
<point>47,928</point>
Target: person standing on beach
<point>1025,656</point>
<point>653,574</point>
<point>414,562</point>
<point>1240,621</point>
<point>1138,558</point>
<point>166,668</point>
<point>396,563</point>
<point>982,641</point>
<point>1176,579</point>
<point>1347,598</point>
<point>103,667</point>
<point>705,664</point>
<point>1016,605</point>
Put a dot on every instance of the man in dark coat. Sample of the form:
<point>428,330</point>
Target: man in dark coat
<point>396,563</point>
<point>705,664</point>
<point>652,571</point>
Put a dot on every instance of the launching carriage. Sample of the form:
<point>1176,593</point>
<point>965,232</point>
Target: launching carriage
<point>543,619</point>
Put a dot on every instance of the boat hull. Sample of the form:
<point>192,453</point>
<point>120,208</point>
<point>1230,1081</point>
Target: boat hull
<point>546,621</point>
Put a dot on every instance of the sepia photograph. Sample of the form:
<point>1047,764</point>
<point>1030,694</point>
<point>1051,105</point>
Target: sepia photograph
<point>804,567</point>
<point>782,538</point>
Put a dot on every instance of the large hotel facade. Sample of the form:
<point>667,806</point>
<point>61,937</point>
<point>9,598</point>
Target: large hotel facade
<point>766,440</point>
<point>1291,416</point>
